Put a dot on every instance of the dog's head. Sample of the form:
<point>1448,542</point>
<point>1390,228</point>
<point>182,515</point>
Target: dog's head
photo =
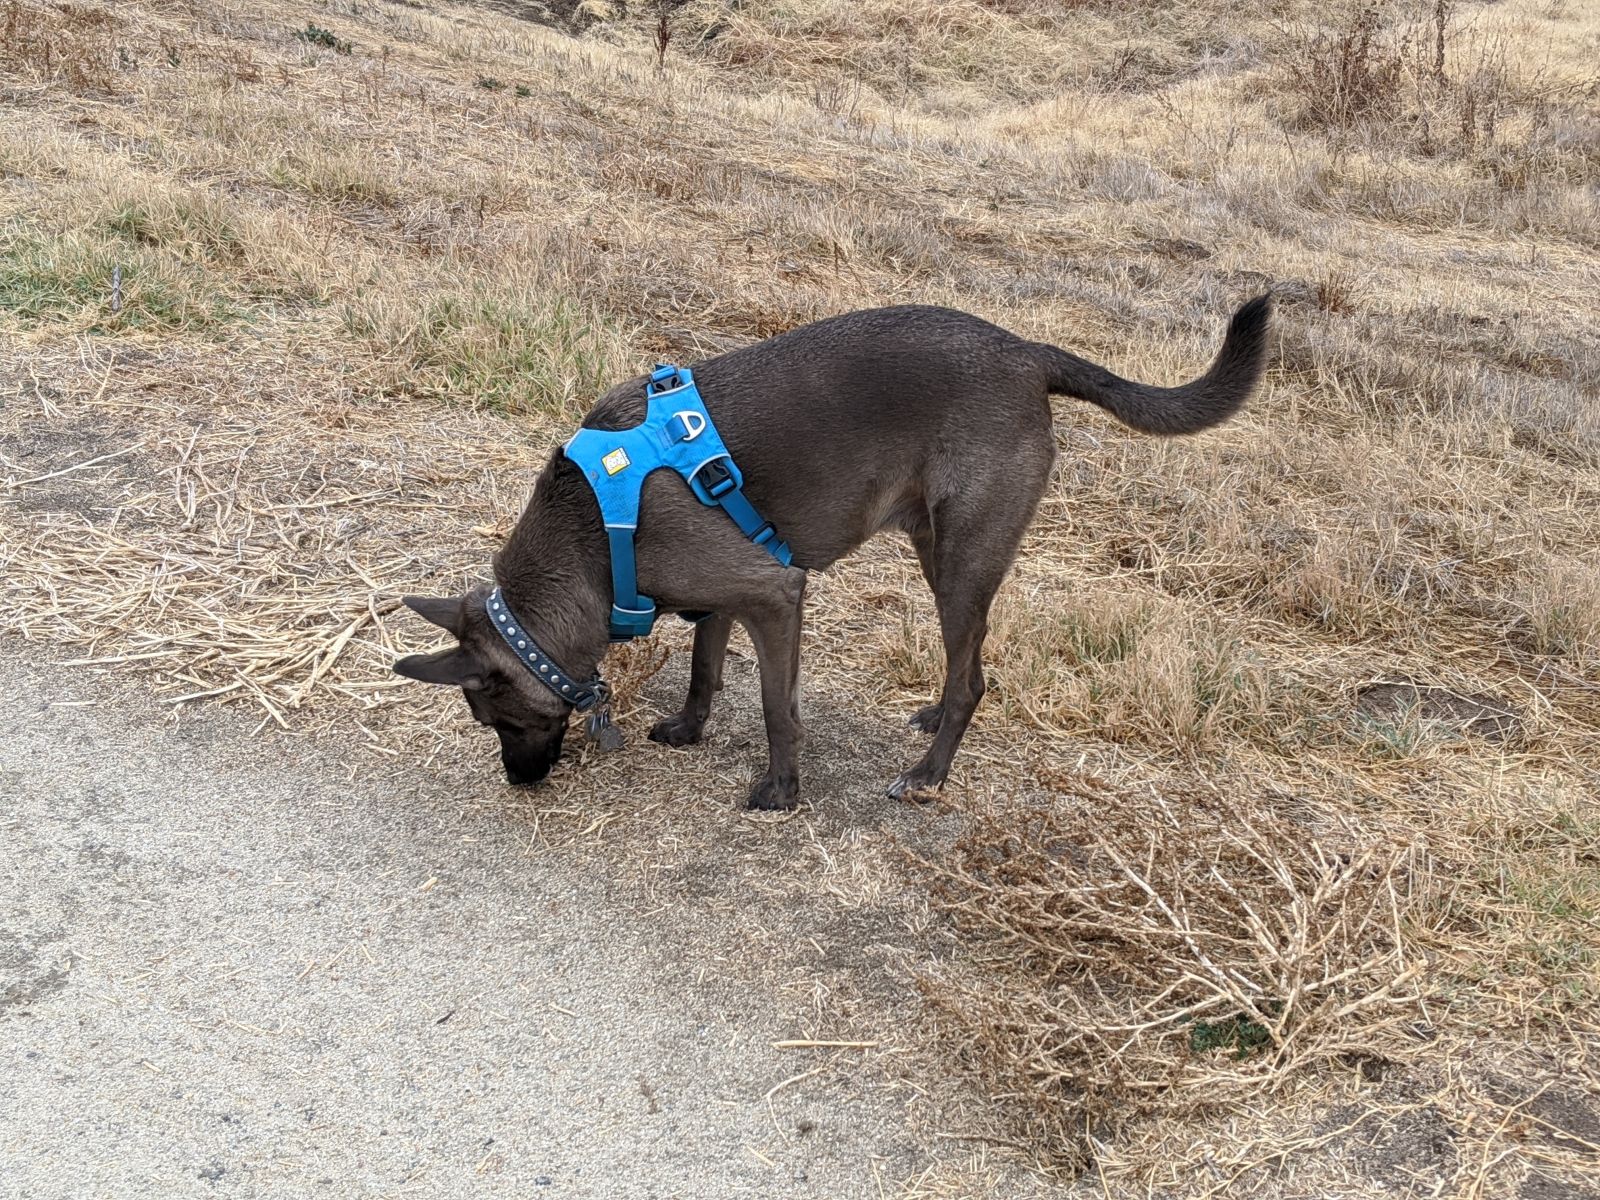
<point>527,717</point>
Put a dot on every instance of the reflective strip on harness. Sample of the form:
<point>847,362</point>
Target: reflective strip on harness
<point>677,433</point>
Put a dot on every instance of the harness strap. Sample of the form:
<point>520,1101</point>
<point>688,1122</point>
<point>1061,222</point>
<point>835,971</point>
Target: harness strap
<point>717,481</point>
<point>632,615</point>
<point>715,484</point>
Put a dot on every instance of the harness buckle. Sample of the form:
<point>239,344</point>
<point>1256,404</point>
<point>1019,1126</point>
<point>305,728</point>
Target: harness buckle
<point>716,478</point>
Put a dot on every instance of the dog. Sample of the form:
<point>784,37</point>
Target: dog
<point>922,419</point>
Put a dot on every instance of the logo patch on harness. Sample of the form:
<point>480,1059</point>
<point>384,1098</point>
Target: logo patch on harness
<point>616,461</point>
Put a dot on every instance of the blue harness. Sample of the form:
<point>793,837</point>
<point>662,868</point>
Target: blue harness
<point>677,433</point>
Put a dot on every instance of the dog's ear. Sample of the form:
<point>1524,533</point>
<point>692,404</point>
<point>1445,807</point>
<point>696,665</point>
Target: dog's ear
<point>455,668</point>
<point>447,612</point>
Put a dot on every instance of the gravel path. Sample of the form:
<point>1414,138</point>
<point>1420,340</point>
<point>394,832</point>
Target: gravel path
<point>226,971</point>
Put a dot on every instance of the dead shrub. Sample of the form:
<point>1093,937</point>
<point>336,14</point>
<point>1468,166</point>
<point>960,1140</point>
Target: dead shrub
<point>1349,73</point>
<point>1129,964</point>
<point>1436,88</point>
<point>1336,292</point>
<point>628,667</point>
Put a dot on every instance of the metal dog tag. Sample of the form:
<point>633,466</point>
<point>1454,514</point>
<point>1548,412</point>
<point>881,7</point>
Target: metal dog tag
<point>599,730</point>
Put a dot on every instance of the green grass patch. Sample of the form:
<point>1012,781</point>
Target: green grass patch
<point>315,35</point>
<point>196,230</point>
<point>1132,669</point>
<point>1088,637</point>
<point>1240,1035</point>
<point>339,176</point>
<point>1382,740</point>
<point>104,282</point>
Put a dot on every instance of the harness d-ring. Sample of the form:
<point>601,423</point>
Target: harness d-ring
<point>694,424</point>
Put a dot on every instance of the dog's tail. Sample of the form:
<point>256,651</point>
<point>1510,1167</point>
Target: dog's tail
<point>1194,406</point>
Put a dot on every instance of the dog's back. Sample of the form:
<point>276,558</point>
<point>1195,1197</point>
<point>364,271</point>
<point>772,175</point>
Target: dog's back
<point>865,420</point>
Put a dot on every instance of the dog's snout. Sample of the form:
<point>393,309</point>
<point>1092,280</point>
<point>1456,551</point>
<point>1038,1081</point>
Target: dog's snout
<point>525,771</point>
<point>528,760</point>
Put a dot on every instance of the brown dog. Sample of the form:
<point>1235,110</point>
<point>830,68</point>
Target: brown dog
<point>921,419</point>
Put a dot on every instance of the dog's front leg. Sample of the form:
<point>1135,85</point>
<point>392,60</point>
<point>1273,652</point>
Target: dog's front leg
<point>705,678</point>
<point>774,627</point>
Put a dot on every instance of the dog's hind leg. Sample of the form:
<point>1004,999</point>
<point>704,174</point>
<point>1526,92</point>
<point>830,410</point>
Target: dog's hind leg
<point>928,717</point>
<point>705,680</point>
<point>976,535</point>
<point>775,629</point>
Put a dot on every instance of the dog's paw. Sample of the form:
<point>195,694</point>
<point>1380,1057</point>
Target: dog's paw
<point>677,730</point>
<point>915,787</point>
<point>928,719</point>
<point>773,795</point>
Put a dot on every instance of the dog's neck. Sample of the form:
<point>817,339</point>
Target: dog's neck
<point>555,570</point>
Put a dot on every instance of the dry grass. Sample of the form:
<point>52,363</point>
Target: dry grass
<point>1439,86</point>
<point>74,45</point>
<point>1127,668</point>
<point>1561,601</point>
<point>289,324</point>
<point>504,346</point>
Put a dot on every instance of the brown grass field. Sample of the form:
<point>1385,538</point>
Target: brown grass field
<point>1274,853</point>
